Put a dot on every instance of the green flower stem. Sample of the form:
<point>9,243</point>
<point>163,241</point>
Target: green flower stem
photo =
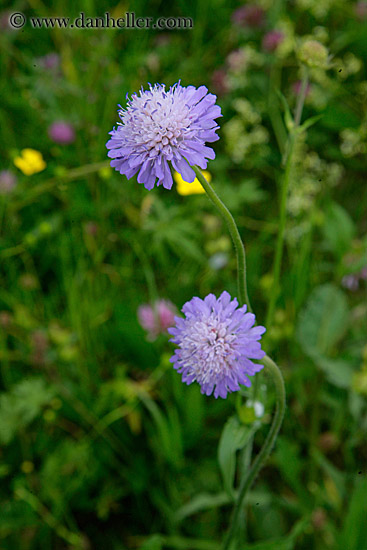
<point>283,201</point>
<point>248,479</point>
<point>269,364</point>
<point>238,244</point>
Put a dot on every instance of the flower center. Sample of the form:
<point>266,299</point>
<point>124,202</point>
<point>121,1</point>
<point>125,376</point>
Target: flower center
<point>212,347</point>
<point>156,122</point>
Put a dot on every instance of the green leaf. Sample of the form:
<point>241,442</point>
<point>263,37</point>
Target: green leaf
<point>338,229</point>
<point>244,192</point>
<point>168,230</point>
<point>202,501</point>
<point>324,320</point>
<point>321,325</point>
<point>308,123</point>
<point>206,501</point>
<point>338,371</point>
<point>234,437</point>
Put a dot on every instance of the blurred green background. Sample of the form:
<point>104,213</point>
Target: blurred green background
<point>101,445</point>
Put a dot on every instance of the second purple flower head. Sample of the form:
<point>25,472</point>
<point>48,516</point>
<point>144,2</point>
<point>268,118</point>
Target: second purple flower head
<point>216,342</point>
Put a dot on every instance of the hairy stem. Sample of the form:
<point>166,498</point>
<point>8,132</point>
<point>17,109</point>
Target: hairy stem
<point>238,244</point>
<point>259,461</point>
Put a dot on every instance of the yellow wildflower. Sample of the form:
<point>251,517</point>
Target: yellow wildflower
<point>194,188</point>
<point>30,162</point>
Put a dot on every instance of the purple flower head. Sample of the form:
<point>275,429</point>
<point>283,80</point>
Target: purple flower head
<point>158,318</point>
<point>7,182</point>
<point>272,40</point>
<point>159,127</point>
<point>216,342</point>
<point>249,16</point>
<point>61,132</point>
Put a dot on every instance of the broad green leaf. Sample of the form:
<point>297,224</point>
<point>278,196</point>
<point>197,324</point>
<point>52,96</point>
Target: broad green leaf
<point>234,437</point>
<point>321,325</point>
<point>338,229</point>
<point>324,320</point>
<point>338,371</point>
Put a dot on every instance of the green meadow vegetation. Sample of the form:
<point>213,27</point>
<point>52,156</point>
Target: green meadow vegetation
<point>102,447</point>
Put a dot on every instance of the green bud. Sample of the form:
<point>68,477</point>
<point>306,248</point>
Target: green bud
<point>247,415</point>
<point>313,54</point>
